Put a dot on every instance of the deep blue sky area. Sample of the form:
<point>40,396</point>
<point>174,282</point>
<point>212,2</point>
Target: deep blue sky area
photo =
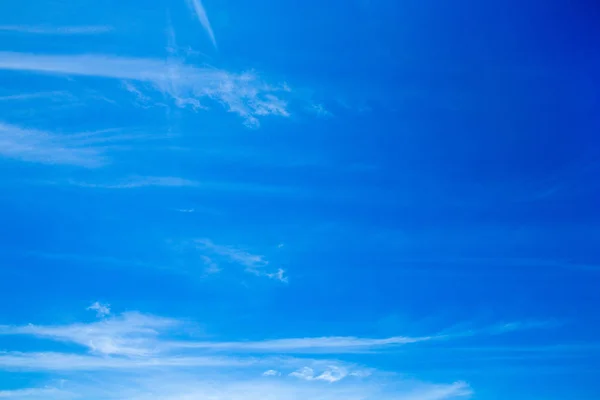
<point>317,200</point>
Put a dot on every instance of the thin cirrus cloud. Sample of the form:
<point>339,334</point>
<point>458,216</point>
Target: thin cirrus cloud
<point>31,393</point>
<point>332,374</point>
<point>131,334</point>
<point>317,345</point>
<point>53,361</point>
<point>38,146</point>
<point>143,335</point>
<point>120,346</point>
<point>238,386</point>
<point>140,182</point>
<point>52,95</point>
<point>200,13</point>
<point>57,30</point>
<point>140,335</point>
<point>157,369</point>
<point>86,149</point>
<point>102,310</point>
<point>254,264</point>
<point>244,94</point>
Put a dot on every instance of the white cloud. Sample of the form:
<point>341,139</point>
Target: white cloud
<point>30,393</point>
<point>439,392</point>
<point>136,356</point>
<point>135,334</point>
<point>131,88</point>
<point>305,373</point>
<point>186,210</point>
<point>182,386</point>
<point>271,372</point>
<point>140,182</point>
<point>48,148</point>
<point>85,149</point>
<point>234,254</point>
<point>198,8</point>
<point>102,310</point>
<point>53,95</point>
<point>51,361</point>
<point>57,30</point>
<point>319,110</point>
<point>331,374</point>
<point>279,275</point>
<point>211,266</point>
<point>253,263</point>
<point>131,333</point>
<point>319,345</point>
<point>244,94</point>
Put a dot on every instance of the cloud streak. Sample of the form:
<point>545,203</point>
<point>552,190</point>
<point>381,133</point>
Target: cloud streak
<point>132,334</point>
<point>200,12</point>
<point>318,345</point>
<point>140,182</point>
<point>86,149</point>
<point>102,310</point>
<point>33,145</point>
<point>135,355</point>
<point>253,263</point>
<point>171,386</point>
<point>244,94</point>
<point>57,30</point>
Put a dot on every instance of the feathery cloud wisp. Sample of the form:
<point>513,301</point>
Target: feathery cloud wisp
<point>131,333</point>
<point>199,10</point>
<point>85,149</point>
<point>57,30</point>
<point>47,148</point>
<point>332,374</point>
<point>234,386</point>
<point>253,263</point>
<point>102,310</point>
<point>315,345</point>
<point>244,94</point>
<point>140,182</point>
<point>136,334</point>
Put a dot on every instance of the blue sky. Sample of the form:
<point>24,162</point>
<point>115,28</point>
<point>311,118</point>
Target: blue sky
<point>340,200</point>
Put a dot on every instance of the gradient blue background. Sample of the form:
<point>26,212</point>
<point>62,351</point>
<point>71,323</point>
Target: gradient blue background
<point>454,182</point>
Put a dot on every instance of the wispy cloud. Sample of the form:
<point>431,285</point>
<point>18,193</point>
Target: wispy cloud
<point>53,95</point>
<point>136,334</point>
<point>319,110</point>
<point>236,386</point>
<point>253,263</point>
<point>131,334</point>
<point>244,94</point>
<point>102,310</point>
<point>52,361</point>
<point>211,266</point>
<point>47,148</point>
<point>31,393</point>
<point>137,355</point>
<point>140,182</point>
<point>86,149</point>
<point>332,374</point>
<point>271,372</point>
<point>57,30</point>
<point>200,12</point>
<point>136,182</point>
<point>318,345</point>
